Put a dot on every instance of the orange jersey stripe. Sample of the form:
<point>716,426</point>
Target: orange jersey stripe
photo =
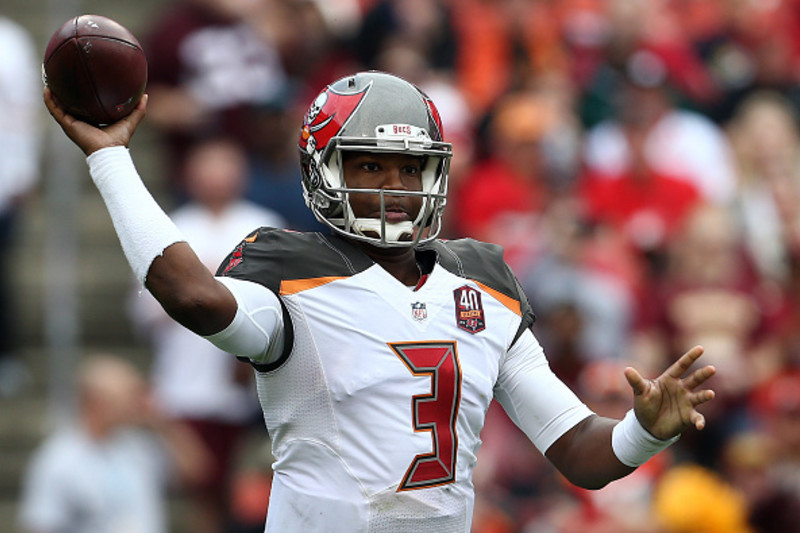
<point>293,286</point>
<point>509,302</point>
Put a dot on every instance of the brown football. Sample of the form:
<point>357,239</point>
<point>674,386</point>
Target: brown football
<point>96,69</point>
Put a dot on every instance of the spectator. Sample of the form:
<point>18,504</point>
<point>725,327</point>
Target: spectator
<point>209,65</point>
<point>19,171</point>
<point>504,46</point>
<point>503,197</point>
<point>218,403</point>
<point>766,141</point>
<point>675,142</point>
<point>427,25</point>
<point>274,179</point>
<point>108,472</point>
<point>641,202</point>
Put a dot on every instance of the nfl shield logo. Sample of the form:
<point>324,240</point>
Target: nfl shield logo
<point>418,311</point>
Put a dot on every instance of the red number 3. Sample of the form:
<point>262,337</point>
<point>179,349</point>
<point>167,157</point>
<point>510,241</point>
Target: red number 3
<point>435,412</point>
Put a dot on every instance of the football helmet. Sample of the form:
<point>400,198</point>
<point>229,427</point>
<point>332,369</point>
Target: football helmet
<point>379,113</point>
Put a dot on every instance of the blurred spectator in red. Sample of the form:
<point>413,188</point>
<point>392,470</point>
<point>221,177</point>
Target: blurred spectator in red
<point>502,198</point>
<point>619,30</point>
<point>672,142</point>
<point>644,204</point>
<point>766,139</point>
<point>194,382</point>
<point>210,62</point>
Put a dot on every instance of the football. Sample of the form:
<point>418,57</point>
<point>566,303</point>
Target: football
<point>95,68</point>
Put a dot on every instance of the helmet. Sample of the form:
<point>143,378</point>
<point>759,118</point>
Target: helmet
<point>380,113</point>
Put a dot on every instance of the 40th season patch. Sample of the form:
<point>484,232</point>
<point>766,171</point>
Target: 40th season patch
<point>469,309</point>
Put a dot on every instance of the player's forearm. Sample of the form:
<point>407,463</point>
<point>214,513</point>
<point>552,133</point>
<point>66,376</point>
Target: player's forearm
<point>584,454</point>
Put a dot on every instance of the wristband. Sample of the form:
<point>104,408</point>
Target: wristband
<point>143,229</point>
<point>633,444</point>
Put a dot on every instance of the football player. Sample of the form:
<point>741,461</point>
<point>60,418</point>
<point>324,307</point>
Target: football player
<point>377,348</point>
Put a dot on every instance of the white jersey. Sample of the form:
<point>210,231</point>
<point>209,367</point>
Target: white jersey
<point>376,406</point>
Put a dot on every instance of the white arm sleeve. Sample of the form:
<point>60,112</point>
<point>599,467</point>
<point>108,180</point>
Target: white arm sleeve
<point>534,398</point>
<point>256,331</point>
<point>144,230</point>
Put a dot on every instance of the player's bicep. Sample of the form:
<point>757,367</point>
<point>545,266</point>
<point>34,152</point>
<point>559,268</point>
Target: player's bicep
<point>533,396</point>
<point>257,330</point>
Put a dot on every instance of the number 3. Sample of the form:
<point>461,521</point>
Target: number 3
<point>435,412</point>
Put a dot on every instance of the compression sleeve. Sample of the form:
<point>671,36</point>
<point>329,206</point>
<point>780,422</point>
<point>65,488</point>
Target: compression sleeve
<point>533,396</point>
<point>256,331</point>
<point>144,230</point>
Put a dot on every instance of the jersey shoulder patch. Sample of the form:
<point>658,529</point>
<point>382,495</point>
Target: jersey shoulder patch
<point>270,256</point>
<point>483,263</point>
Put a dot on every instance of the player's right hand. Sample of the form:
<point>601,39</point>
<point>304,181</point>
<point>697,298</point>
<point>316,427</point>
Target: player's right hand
<point>90,138</point>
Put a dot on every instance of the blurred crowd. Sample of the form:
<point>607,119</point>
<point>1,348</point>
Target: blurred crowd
<point>638,160</point>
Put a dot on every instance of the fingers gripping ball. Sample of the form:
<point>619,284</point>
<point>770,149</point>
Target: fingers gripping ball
<point>96,69</point>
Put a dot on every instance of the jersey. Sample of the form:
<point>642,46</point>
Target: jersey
<point>375,407</point>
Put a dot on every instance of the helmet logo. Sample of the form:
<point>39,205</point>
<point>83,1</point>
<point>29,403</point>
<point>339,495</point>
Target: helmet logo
<point>436,120</point>
<point>326,117</point>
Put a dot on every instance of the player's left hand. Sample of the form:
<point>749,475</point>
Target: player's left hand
<point>666,406</point>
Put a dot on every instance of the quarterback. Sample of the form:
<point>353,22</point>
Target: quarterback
<point>378,347</point>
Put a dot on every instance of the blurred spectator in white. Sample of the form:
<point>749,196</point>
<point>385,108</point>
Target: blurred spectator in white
<point>210,62</point>
<point>108,472</point>
<point>20,82</point>
<point>766,139</point>
<point>195,382</point>
<point>677,142</point>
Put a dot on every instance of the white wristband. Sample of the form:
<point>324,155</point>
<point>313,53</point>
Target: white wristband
<point>632,444</point>
<point>144,230</point>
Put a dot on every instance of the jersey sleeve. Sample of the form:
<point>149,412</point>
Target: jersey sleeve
<point>533,397</point>
<point>257,330</point>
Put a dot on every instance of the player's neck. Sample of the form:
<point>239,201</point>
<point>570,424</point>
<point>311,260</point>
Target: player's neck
<point>399,262</point>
